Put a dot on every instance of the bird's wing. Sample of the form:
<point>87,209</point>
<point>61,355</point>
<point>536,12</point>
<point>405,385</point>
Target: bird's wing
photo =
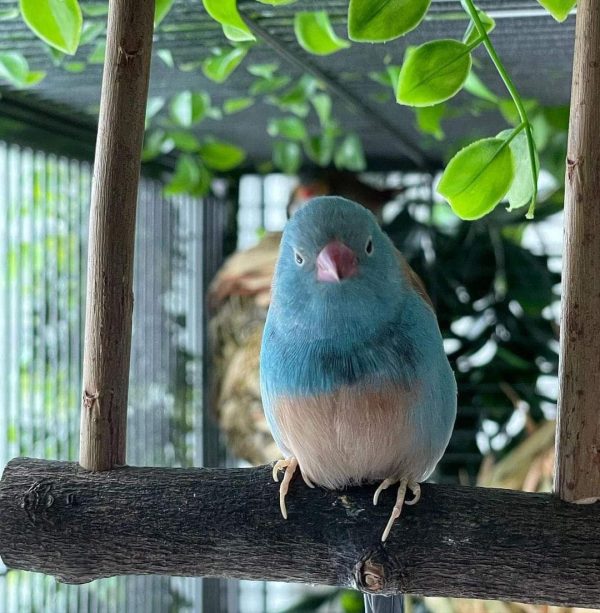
<point>414,280</point>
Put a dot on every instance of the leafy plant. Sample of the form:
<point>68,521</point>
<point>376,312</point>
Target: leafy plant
<point>476,179</point>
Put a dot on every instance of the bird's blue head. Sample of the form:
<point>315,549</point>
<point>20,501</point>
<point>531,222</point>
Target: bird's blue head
<point>338,274</point>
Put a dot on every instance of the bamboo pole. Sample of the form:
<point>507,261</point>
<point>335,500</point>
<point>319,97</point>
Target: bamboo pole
<point>578,427</point>
<point>109,303</point>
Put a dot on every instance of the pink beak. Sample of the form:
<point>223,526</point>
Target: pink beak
<point>335,262</point>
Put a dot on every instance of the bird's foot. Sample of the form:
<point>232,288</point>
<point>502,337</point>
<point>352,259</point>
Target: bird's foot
<point>289,465</point>
<point>405,484</point>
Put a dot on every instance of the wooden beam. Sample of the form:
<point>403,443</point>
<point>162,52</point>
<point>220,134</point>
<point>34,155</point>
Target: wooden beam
<point>59,519</point>
<point>109,302</point>
<point>578,427</point>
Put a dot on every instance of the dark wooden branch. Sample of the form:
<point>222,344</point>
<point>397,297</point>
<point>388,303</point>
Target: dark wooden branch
<point>578,429</point>
<point>59,519</point>
<point>109,302</point>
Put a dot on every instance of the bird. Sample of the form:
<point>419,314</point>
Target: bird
<point>356,386</point>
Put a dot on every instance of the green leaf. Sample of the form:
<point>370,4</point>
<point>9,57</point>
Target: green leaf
<point>189,108</point>
<point>219,66</point>
<point>521,191</point>
<point>91,31</point>
<point>268,86</point>
<point>277,2</point>
<point>429,119</point>
<point>221,156</point>
<point>167,57</point>
<point>226,13</point>
<point>266,71</point>
<point>287,156</point>
<point>315,34</point>
<point>478,177</point>
<point>15,69</point>
<point>388,77</point>
<point>320,148</point>
<point>56,22</point>
<point>475,86</point>
<point>471,35</point>
<point>97,55</point>
<point>95,9</point>
<point>153,145</point>
<point>433,72</point>
<point>322,104</point>
<point>559,9</point>
<point>235,105</point>
<point>375,21</point>
<point>161,8</point>
<point>190,177</point>
<point>74,66</point>
<point>184,141</point>
<point>8,14</point>
<point>295,99</point>
<point>287,127</point>
<point>349,154</point>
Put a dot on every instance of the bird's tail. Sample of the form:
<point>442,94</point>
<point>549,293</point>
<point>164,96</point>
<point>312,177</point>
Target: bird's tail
<point>384,604</point>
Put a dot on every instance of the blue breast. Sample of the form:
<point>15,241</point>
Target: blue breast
<point>303,367</point>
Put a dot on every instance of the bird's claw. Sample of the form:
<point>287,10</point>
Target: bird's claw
<point>405,484</point>
<point>289,465</point>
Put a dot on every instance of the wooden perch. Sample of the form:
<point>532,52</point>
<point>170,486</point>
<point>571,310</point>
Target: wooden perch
<point>109,302</point>
<point>59,519</point>
<point>578,427</point>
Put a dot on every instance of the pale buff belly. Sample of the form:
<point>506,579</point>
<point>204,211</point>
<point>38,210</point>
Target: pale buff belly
<point>352,436</point>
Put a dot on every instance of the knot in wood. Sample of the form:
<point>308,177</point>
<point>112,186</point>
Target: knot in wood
<point>370,576</point>
<point>37,500</point>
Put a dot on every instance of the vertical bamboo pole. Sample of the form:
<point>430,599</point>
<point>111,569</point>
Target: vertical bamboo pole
<point>109,302</point>
<point>578,428</point>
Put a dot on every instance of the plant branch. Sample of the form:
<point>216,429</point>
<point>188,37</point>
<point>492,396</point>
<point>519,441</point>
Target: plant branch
<point>470,8</point>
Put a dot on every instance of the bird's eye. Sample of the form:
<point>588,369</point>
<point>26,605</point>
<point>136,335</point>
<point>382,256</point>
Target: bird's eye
<point>299,259</point>
<point>369,246</point>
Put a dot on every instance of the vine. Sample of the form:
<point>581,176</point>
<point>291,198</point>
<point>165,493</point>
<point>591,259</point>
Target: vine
<point>475,180</point>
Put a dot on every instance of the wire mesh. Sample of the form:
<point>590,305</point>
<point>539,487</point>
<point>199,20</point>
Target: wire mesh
<point>43,243</point>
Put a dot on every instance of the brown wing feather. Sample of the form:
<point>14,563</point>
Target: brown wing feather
<point>413,278</point>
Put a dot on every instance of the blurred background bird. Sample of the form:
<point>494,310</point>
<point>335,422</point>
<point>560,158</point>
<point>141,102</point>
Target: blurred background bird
<point>355,382</point>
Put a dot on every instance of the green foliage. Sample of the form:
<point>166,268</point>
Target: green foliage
<point>349,154</point>
<point>221,156</point>
<point>476,87</point>
<point>236,105</point>
<point>522,189</point>
<point>161,9</point>
<point>433,72</point>
<point>472,36</point>
<point>559,9</point>
<point>226,13</point>
<point>223,62</point>
<point>478,177</point>
<point>429,119</point>
<point>287,127</point>
<point>57,22</point>
<point>430,75</point>
<point>287,156</point>
<point>188,108</point>
<point>14,68</point>
<point>190,177</point>
<point>315,34</point>
<point>375,21</point>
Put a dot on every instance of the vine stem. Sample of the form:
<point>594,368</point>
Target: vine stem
<point>469,7</point>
